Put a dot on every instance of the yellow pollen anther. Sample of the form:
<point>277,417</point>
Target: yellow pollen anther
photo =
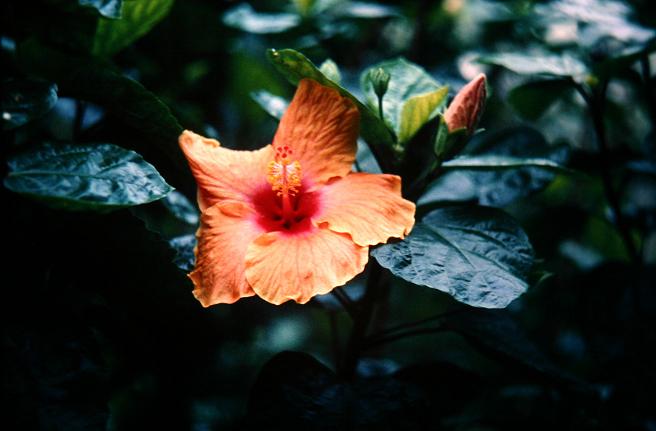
<point>284,176</point>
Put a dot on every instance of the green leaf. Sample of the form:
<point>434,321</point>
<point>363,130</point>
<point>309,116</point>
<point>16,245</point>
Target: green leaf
<point>478,255</point>
<point>496,162</point>
<point>295,66</point>
<point>493,174</point>
<point>532,99</point>
<point>106,8</point>
<point>413,97</point>
<point>137,19</point>
<point>85,177</point>
<point>539,63</point>
<point>331,71</point>
<point>272,104</point>
<point>24,100</point>
<point>418,110</point>
<point>96,81</point>
<point>243,17</point>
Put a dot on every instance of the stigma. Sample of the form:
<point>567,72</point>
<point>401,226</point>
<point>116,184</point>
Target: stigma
<point>284,174</point>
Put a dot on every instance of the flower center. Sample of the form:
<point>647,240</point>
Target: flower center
<point>285,206</point>
<point>285,176</point>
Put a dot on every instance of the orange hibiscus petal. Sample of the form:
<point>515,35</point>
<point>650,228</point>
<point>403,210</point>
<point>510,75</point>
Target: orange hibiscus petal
<point>321,128</point>
<point>281,267</point>
<point>221,173</point>
<point>225,231</point>
<point>369,207</point>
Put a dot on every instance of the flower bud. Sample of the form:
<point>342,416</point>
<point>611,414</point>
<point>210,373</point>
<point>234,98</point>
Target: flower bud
<point>466,108</point>
<point>380,79</point>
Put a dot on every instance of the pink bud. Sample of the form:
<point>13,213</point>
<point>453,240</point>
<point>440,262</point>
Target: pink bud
<point>467,106</point>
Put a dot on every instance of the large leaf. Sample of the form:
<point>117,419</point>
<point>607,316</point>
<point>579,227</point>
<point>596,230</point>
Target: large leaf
<point>98,82</point>
<point>539,63</point>
<point>295,391</point>
<point>295,66</point>
<point>412,98</point>
<point>501,167</point>
<point>24,100</point>
<point>532,99</point>
<point>243,17</point>
<point>499,163</point>
<point>496,333</point>
<point>598,23</point>
<point>137,19</point>
<point>478,255</point>
<point>86,177</point>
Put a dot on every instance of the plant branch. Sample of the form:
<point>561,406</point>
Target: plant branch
<point>361,323</point>
<point>404,334</point>
<point>409,325</point>
<point>596,105</point>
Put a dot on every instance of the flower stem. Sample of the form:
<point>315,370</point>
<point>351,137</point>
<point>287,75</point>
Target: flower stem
<point>410,325</point>
<point>596,104</point>
<point>361,323</point>
<point>404,334</point>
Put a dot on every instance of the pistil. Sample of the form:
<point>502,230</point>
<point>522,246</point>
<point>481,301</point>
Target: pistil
<point>285,176</point>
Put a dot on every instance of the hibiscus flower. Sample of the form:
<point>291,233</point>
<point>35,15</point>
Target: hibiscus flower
<point>290,220</point>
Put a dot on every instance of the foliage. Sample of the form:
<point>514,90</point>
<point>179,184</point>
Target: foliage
<point>523,297</point>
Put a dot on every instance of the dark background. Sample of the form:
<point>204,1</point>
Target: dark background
<point>100,330</point>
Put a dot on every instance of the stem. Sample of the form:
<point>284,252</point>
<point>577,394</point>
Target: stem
<point>596,105</point>
<point>409,325</point>
<point>410,333</point>
<point>361,322</point>
<point>380,108</point>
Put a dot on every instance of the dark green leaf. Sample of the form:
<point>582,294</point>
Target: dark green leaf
<point>539,63</point>
<point>106,8</point>
<point>495,332</point>
<point>448,144</point>
<point>181,208</point>
<point>137,19</point>
<point>532,99</point>
<point>97,82</point>
<point>25,100</point>
<point>598,23</point>
<point>494,163</point>
<point>495,176</point>
<point>478,255</point>
<point>170,217</point>
<point>243,17</point>
<point>184,251</point>
<point>413,97</point>
<point>293,382</point>
<point>90,177</point>
<point>272,104</point>
<point>295,66</point>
